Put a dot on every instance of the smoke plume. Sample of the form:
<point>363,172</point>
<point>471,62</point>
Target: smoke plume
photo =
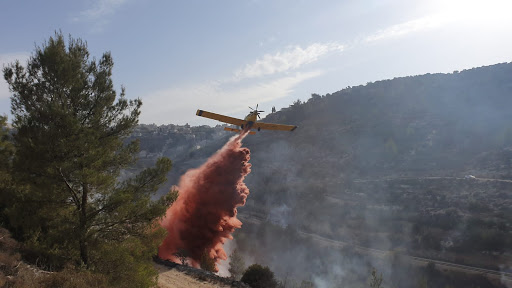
<point>204,215</point>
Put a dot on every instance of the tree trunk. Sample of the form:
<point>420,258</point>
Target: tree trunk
<point>84,253</point>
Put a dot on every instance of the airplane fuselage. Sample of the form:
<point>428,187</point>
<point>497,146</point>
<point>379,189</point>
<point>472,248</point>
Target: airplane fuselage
<point>251,117</point>
<point>250,120</point>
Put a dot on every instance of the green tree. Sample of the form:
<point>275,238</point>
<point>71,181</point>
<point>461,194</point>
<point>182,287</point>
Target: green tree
<point>207,263</point>
<point>6,153</point>
<point>70,124</point>
<point>236,264</point>
<point>182,254</point>
<point>258,276</point>
<point>375,279</point>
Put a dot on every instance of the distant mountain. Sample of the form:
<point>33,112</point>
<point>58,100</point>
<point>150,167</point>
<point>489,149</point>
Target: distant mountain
<point>383,165</point>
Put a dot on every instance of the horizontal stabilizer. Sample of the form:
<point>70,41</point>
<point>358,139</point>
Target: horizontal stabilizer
<point>237,130</point>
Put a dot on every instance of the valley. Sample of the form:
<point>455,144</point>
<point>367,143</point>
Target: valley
<point>382,166</point>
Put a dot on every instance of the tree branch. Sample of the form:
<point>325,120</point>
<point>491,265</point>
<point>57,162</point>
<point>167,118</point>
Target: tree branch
<point>72,191</point>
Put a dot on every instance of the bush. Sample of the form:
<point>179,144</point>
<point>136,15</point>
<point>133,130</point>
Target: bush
<point>126,264</point>
<point>25,278</point>
<point>207,263</point>
<point>9,258</point>
<point>74,278</point>
<point>13,272</point>
<point>182,255</point>
<point>258,276</point>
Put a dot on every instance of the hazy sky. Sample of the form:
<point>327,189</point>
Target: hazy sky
<point>222,56</point>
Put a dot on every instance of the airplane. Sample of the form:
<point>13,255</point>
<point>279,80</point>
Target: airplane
<point>249,122</point>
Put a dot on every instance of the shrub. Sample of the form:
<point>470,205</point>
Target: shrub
<point>9,258</point>
<point>74,278</point>
<point>207,263</point>
<point>126,264</point>
<point>182,255</point>
<point>258,276</point>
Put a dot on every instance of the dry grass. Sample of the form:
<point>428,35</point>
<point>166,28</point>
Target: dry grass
<point>17,274</point>
<point>13,272</point>
<point>172,278</point>
<point>74,278</point>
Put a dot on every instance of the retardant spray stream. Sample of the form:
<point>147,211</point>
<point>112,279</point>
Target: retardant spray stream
<point>204,215</point>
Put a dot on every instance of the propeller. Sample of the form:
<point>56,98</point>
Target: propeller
<point>256,111</point>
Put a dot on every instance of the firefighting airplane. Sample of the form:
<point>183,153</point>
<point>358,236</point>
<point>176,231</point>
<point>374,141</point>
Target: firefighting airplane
<point>249,122</point>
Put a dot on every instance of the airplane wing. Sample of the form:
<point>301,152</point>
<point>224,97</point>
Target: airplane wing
<point>221,118</point>
<point>271,126</point>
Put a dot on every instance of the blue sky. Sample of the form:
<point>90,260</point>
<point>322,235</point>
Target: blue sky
<point>222,56</point>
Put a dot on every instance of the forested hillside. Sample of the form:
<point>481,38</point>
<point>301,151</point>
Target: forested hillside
<point>384,165</point>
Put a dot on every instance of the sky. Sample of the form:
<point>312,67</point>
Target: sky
<point>223,56</point>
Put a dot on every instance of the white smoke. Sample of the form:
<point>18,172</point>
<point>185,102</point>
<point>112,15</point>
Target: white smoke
<point>223,265</point>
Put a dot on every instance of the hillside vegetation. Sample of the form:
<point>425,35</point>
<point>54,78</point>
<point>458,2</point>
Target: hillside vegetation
<point>382,165</point>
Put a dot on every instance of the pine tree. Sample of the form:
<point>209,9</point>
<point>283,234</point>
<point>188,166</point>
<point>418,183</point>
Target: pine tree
<point>70,125</point>
<point>236,265</point>
<point>207,263</point>
<point>6,152</point>
<point>375,280</point>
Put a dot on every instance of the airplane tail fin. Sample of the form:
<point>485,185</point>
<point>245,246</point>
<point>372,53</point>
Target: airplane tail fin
<point>237,130</point>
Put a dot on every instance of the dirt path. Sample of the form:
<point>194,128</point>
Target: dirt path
<point>172,275</point>
<point>430,178</point>
<point>172,278</point>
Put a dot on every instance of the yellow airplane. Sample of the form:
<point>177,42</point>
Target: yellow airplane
<point>249,122</point>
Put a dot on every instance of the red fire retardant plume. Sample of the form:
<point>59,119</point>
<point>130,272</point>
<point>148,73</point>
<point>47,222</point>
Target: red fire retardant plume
<point>204,215</point>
